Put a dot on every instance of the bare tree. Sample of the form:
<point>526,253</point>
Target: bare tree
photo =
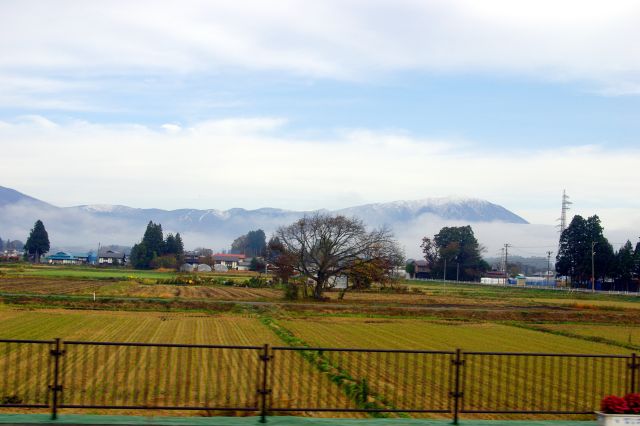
<point>325,246</point>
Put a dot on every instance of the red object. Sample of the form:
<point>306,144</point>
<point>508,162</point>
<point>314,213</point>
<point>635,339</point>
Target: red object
<point>633,402</point>
<point>614,405</point>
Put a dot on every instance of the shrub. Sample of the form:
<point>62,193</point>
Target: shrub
<point>633,402</point>
<point>256,282</point>
<point>291,291</point>
<point>613,405</point>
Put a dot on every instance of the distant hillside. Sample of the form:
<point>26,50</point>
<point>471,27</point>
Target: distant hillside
<point>10,196</point>
<point>527,265</point>
<point>459,209</point>
<point>86,225</point>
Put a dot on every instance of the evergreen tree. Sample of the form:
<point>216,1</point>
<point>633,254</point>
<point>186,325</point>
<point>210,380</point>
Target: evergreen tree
<point>179,249</point>
<point>38,241</point>
<point>174,247</point>
<point>140,256</point>
<point>239,245</point>
<point>573,246</point>
<point>153,239</point>
<point>170,244</point>
<point>576,245</point>
<point>252,244</point>
<point>179,245</point>
<point>256,243</point>
<point>625,263</point>
<point>154,251</point>
<point>604,255</point>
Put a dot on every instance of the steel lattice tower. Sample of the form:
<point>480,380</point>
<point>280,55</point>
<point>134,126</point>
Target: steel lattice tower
<point>563,215</point>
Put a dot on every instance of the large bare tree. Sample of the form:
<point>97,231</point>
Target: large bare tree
<point>325,246</point>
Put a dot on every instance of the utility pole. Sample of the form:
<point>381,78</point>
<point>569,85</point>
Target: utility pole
<point>503,267</point>
<point>548,265</point>
<point>506,261</point>
<point>445,270</point>
<point>593,274</point>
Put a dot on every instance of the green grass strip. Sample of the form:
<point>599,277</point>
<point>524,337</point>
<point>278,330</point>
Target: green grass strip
<point>355,389</point>
<point>596,339</point>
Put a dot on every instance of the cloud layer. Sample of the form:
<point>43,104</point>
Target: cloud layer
<point>256,162</point>
<point>577,40</point>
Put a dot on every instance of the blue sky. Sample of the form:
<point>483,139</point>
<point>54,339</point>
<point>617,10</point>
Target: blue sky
<point>496,111</point>
<point>329,104</point>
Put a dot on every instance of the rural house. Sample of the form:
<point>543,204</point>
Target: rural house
<point>110,257</point>
<point>229,260</point>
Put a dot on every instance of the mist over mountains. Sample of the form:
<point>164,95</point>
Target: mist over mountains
<point>84,226</point>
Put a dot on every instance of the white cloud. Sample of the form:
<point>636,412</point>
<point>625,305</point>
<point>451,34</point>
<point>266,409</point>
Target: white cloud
<point>171,128</point>
<point>36,121</point>
<point>571,39</point>
<point>253,162</point>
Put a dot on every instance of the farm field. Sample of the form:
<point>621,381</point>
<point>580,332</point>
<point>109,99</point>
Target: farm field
<point>622,334</point>
<point>146,327</point>
<point>88,273</point>
<point>223,378</point>
<point>48,280</point>
<point>490,380</point>
<point>466,290</point>
<point>33,285</point>
<point>435,317</point>
<point>105,273</point>
<point>125,375</point>
<point>434,335</point>
<point>196,292</point>
<point>587,303</point>
<point>48,286</point>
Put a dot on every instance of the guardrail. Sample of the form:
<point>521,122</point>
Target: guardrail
<point>266,380</point>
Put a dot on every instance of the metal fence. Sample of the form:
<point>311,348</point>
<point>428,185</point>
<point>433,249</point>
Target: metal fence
<point>267,380</point>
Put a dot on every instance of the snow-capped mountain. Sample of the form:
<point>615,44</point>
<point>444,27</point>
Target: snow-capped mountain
<point>116,224</point>
<point>458,209</point>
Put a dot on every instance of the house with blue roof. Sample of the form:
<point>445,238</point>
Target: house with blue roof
<point>64,258</point>
<point>61,258</point>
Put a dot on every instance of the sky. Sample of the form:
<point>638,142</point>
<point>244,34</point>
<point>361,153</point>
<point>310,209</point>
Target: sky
<point>306,105</point>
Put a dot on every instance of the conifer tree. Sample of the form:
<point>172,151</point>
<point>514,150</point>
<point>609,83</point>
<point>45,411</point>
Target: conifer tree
<point>38,242</point>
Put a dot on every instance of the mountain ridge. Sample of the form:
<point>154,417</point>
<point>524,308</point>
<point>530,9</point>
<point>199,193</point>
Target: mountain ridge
<point>424,205</point>
<point>119,224</point>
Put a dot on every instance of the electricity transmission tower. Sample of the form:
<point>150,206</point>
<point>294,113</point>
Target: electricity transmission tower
<point>563,215</point>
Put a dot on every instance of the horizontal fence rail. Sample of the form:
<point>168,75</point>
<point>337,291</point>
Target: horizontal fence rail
<point>217,379</point>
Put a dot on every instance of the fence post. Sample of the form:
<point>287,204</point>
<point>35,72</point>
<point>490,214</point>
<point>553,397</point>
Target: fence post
<point>56,388</point>
<point>457,393</point>
<point>264,390</point>
<point>633,366</point>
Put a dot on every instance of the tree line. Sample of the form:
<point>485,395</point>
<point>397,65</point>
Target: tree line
<point>453,253</point>
<point>155,251</point>
<point>252,244</point>
<point>11,245</point>
<point>585,252</point>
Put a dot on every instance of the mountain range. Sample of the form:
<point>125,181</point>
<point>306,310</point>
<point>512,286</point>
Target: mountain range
<point>86,225</point>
